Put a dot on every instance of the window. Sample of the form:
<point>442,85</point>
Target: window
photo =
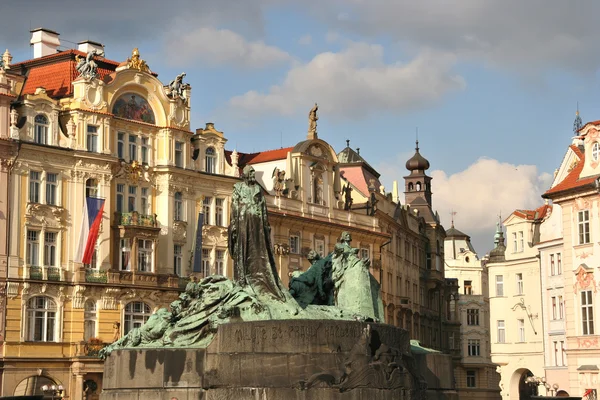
<point>587,313</point>
<point>219,262</point>
<point>177,259</point>
<point>50,249</point>
<point>407,291</point>
<point>125,259</point>
<point>468,287</point>
<point>145,204</point>
<point>40,133</point>
<point>178,207</point>
<point>584,226</point>
<point>132,147</point>
<point>91,138</point>
<point>294,244</point>
<point>144,255</point>
<point>205,262</point>
<point>552,266</point>
<point>556,356</point>
<point>561,307</point>
<point>519,278</point>
<point>521,241</point>
<point>51,185</point>
<point>210,161</point>
<point>33,248</point>
<point>35,183</point>
<point>501,332</point>
<point>120,197</point>
<point>206,209</point>
<point>136,314</point>
<point>91,188</point>
<point>219,212</point>
<point>131,198</point>
<point>558,264</point>
<point>471,379</point>
<point>179,154</point>
<point>145,150</point>
<point>595,151</point>
<point>521,326</point>
<point>41,318</point>
<point>473,347</point>
<point>499,285</point>
<point>121,145</point>
<point>562,353</point>
<point>554,313</point>
<point>89,320</point>
<point>320,248</point>
<point>515,247</point>
<point>472,316</point>
<point>364,253</point>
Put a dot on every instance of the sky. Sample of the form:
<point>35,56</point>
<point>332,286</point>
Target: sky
<point>491,86</point>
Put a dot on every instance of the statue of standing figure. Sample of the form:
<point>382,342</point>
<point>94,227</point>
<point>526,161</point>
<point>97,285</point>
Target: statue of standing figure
<point>312,120</point>
<point>87,67</point>
<point>177,87</point>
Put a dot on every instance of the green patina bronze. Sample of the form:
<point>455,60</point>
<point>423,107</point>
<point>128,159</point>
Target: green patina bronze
<point>338,286</point>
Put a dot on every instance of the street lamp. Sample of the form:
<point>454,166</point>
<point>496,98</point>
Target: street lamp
<point>55,391</point>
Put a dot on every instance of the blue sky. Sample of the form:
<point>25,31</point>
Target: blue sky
<point>492,86</point>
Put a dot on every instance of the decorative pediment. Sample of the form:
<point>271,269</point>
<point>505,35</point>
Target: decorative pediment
<point>179,231</point>
<point>584,278</point>
<point>45,215</point>
<point>134,173</point>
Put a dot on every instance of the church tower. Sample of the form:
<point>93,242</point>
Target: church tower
<point>417,188</point>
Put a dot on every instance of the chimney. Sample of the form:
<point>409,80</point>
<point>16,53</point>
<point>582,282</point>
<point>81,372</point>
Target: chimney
<point>44,41</point>
<point>87,45</point>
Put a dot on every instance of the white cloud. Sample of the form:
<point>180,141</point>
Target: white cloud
<point>357,82</point>
<point>214,46</point>
<point>305,40</point>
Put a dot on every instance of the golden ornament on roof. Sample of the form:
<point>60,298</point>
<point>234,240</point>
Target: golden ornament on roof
<point>135,62</point>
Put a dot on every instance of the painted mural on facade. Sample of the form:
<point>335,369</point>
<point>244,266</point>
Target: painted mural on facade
<point>135,107</point>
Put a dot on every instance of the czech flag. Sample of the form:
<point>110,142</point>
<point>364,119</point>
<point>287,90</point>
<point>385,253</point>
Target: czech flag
<point>92,217</point>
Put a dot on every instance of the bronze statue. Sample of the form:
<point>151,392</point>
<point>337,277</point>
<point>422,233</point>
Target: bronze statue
<point>312,119</point>
<point>250,239</point>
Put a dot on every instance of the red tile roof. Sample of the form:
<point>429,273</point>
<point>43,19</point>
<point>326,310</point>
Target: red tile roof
<point>572,180</point>
<point>268,155</point>
<point>589,123</point>
<point>534,215</point>
<point>360,177</point>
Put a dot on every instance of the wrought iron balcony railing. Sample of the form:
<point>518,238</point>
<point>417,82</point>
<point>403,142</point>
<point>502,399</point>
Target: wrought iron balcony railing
<point>96,276</point>
<point>136,219</point>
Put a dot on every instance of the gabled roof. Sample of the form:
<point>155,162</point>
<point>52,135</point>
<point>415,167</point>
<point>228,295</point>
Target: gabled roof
<point>572,180</point>
<point>534,215</point>
<point>359,177</point>
<point>350,156</point>
<point>260,157</point>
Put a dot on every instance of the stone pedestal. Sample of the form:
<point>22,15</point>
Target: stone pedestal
<point>295,359</point>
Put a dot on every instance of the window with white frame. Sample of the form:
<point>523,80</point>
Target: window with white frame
<point>178,207</point>
<point>562,353</point>
<point>50,249</point>
<point>35,184</point>
<point>132,147</point>
<point>120,197</point>
<point>583,222</point>
<point>125,255</point>
<point>561,307</point>
<point>220,262</point>
<point>33,248</point>
<point>144,260</point>
<point>294,244</point>
<point>519,278</point>
<point>471,378</point>
<point>595,151</point>
<point>521,241</point>
<point>131,199</point>
<point>41,319</point>
<point>145,150</point>
<point>521,328</point>
<point>587,312</point>
<point>136,315</point>
<point>556,356</point>
<point>121,145</point>
<point>515,246</point>
<point>89,320</point>
<point>51,189</point>
<point>219,212</point>
<point>179,154</point>
<point>499,285</point>
<point>210,160</point>
<point>473,347</point>
<point>558,264</point>
<point>145,201</point>
<point>40,130</point>
<point>205,262</point>
<point>552,266</point>
<point>320,248</point>
<point>177,259</point>
<point>472,316</point>
<point>501,331</point>
<point>91,138</point>
<point>554,310</point>
<point>91,188</point>
<point>207,210</point>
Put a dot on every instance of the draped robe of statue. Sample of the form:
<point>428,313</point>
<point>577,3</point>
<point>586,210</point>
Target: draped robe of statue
<point>250,242</point>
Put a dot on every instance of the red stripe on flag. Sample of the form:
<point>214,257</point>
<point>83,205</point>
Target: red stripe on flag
<point>92,237</point>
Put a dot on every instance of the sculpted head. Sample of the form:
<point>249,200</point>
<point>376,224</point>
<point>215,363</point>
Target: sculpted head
<point>345,237</point>
<point>248,174</point>
<point>313,256</point>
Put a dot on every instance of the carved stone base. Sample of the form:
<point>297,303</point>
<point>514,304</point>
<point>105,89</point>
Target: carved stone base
<point>296,359</point>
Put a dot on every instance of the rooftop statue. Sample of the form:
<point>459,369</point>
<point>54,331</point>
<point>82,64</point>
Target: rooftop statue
<point>87,67</point>
<point>135,62</point>
<point>312,119</point>
<point>177,87</point>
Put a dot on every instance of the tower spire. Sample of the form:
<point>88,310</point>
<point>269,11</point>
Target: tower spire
<point>417,139</point>
<point>452,213</point>
<point>578,123</point>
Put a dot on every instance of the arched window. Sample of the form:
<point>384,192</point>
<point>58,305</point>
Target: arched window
<point>136,314</point>
<point>89,320</point>
<point>210,164</point>
<point>410,187</point>
<point>418,186</point>
<point>40,134</point>
<point>32,386</point>
<point>595,151</point>
<point>91,188</point>
<point>41,319</point>
<point>178,207</point>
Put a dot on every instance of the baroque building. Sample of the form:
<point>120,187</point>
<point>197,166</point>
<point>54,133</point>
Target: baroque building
<point>475,373</point>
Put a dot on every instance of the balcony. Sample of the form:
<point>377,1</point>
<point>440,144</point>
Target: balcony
<point>96,276</point>
<point>35,273</point>
<point>43,273</point>
<point>136,219</point>
<point>53,274</point>
<point>139,278</point>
